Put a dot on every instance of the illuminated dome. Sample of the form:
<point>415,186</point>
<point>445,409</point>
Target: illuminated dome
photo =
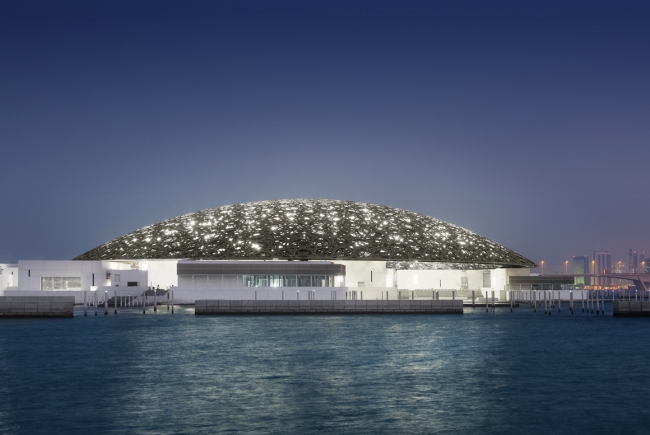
<point>309,229</point>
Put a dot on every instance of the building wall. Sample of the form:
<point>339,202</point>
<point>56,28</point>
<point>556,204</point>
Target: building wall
<point>209,282</point>
<point>602,264</point>
<point>30,272</point>
<point>121,278</point>
<point>581,267</point>
<point>437,279</point>
<point>8,276</point>
<point>161,272</point>
<point>369,273</point>
<point>92,273</point>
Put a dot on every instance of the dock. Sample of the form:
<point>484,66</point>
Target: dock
<point>632,308</point>
<point>224,307</point>
<point>36,306</point>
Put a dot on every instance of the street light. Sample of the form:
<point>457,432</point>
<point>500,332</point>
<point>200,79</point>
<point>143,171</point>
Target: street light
<point>566,267</point>
<point>542,267</point>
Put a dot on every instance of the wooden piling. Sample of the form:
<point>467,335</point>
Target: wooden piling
<point>172,301</point>
<point>473,298</point>
<point>593,297</point>
<point>85,306</point>
<point>106,302</point>
<point>547,303</point>
<point>551,297</point>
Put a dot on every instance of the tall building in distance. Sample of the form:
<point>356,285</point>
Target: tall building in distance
<point>581,267</point>
<point>637,263</point>
<point>602,264</point>
<point>620,267</point>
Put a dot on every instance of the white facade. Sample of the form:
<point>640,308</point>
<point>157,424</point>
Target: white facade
<point>8,276</point>
<point>372,277</point>
<point>42,275</point>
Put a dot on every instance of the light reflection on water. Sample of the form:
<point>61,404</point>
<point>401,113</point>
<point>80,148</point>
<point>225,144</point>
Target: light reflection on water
<point>483,372</point>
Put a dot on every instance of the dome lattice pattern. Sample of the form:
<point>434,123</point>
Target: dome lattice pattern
<point>311,229</point>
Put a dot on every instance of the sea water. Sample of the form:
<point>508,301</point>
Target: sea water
<point>489,373</point>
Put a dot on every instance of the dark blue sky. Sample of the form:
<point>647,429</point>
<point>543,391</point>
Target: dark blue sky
<point>527,124</point>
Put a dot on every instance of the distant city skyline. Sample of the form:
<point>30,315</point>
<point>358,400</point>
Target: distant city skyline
<point>604,260</point>
<point>525,122</point>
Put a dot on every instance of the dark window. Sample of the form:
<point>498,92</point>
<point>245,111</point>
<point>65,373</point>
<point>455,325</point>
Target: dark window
<point>132,284</point>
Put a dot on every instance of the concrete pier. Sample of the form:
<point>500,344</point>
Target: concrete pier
<point>631,308</point>
<point>36,306</point>
<point>506,304</point>
<point>221,307</point>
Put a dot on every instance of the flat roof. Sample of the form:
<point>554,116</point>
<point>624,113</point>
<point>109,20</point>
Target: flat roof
<point>259,268</point>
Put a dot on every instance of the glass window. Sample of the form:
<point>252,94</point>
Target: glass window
<point>289,281</point>
<point>319,281</point>
<point>261,280</point>
<point>61,283</point>
<point>248,281</point>
<point>304,281</point>
<point>487,279</point>
<point>275,281</point>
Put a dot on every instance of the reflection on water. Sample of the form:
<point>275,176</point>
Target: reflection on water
<point>500,372</point>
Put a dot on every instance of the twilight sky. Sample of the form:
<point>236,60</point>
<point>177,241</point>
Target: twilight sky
<point>528,124</point>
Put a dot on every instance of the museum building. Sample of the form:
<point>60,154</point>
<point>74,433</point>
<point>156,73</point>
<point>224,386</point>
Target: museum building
<point>278,249</point>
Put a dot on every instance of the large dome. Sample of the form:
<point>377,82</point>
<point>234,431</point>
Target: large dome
<point>308,229</point>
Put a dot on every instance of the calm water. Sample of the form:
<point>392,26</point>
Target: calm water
<point>481,372</point>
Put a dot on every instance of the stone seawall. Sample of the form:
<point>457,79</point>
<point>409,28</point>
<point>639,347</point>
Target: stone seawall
<point>632,308</point>
<point>328,307</point>
<point>36,306</point>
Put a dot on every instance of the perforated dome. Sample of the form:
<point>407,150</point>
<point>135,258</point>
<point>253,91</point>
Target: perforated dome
<point>307,229</point>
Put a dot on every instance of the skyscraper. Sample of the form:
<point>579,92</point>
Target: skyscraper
<point>602,265</point>
<point>637,262</point>
<point>581,267</point>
